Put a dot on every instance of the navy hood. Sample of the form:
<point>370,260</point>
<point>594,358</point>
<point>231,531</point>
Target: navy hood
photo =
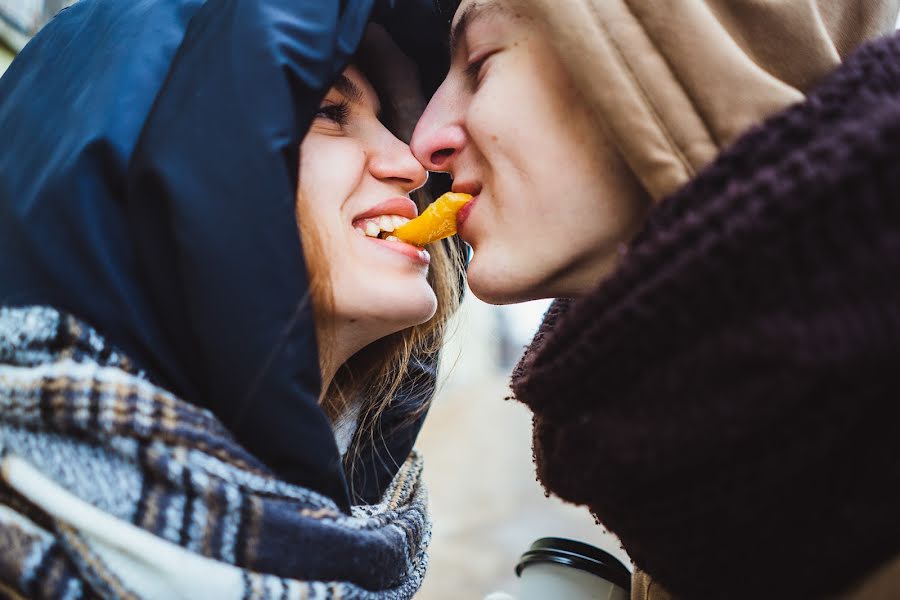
<point>149,170</point>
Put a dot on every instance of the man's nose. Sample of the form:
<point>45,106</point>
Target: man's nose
<point>439,136</point>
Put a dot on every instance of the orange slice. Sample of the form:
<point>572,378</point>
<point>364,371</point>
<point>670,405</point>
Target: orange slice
<point>436,222</point>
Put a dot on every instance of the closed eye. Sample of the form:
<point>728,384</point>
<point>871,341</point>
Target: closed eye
<point>474,69</point>
<point>337,112</point>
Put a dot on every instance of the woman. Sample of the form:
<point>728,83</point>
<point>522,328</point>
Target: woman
<point>170,426</point>
<point>716,193</point>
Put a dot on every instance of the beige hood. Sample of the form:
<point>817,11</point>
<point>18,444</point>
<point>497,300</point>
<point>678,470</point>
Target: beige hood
<point>674,82</point>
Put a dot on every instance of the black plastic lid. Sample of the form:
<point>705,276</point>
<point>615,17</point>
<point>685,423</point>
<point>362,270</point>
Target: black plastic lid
<point>578,556</point>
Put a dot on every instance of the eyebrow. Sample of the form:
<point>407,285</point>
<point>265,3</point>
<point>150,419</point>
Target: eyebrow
<point>349,90</point>
<point>474,11</point>
<point>354,94</point>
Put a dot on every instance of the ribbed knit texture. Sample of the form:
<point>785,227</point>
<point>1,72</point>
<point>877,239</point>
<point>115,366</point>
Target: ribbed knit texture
<point>728,402</point>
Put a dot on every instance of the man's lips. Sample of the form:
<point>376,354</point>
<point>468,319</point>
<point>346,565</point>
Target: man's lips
<point>472,188</point>
<point>463,214</point>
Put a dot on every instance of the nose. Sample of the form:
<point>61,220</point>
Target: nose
<point>395,162</point>
<point>439,136</point>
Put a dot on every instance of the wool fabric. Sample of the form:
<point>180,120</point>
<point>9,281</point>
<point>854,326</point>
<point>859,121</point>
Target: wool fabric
<point>112,487</point>
<point>727,401</point>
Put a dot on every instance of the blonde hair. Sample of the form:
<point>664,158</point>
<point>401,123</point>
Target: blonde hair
<point>374,374</point>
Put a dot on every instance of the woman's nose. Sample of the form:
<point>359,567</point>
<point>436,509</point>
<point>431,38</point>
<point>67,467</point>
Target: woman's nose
<point>439,136</point>
<point>395,162</point>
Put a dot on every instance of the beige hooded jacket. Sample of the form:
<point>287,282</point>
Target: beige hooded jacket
<point>675,82</point>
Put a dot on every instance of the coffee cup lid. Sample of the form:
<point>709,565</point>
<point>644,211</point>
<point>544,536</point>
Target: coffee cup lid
<point>576,555</point>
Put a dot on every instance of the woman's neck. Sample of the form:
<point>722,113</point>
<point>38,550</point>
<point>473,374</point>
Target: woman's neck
<point>337,343</point>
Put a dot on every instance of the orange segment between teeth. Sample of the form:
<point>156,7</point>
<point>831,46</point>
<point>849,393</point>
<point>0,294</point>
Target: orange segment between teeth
<point>436,222</point>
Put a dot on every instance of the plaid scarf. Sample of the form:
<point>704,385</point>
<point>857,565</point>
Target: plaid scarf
<point>111,487</point>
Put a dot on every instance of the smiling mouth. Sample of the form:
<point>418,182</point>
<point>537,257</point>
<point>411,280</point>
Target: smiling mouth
<point>380,227</point>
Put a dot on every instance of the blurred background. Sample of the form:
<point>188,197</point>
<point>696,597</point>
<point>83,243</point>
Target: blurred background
<point>486,503</point>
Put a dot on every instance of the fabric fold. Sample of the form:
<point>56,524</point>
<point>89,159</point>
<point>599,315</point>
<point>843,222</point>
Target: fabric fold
<point>673,86</point>
<point>165,477</point>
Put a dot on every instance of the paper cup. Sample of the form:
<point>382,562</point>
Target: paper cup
<point>557,568</point>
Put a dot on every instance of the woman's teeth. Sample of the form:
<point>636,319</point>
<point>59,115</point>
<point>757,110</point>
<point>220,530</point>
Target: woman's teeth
<point>376,226</point>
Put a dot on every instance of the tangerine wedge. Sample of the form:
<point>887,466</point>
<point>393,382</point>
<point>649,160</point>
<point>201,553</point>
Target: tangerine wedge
<point>436,222</point>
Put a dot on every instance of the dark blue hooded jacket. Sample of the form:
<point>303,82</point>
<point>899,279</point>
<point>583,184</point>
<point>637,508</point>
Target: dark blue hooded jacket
<point>148,167</point>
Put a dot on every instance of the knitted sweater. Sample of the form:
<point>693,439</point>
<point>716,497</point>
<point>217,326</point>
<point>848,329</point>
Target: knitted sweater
<point>111,487</point>
<point>727,402</point>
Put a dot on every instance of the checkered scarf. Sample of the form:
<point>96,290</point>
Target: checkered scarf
<point>112,487</point>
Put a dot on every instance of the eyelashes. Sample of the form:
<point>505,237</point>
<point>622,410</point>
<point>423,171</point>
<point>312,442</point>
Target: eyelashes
<point>474,70</point>
<point>337,112</point>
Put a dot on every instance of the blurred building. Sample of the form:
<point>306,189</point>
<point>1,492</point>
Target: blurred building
<point>6,57</point>
<point>21,19</point>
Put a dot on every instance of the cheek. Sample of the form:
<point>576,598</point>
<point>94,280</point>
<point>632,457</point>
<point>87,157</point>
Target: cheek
<point>330,170</point>
<point>515,123</point>
<point>493,119</point>
<point>519,153</point>
<point>328,175</point>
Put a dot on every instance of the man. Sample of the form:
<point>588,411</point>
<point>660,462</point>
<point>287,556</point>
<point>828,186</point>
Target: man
<point>714,192</point>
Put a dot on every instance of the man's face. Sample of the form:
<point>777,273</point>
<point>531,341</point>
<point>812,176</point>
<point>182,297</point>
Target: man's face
<point>554,200</point>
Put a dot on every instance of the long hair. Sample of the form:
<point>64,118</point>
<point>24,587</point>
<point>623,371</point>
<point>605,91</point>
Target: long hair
<point>372,376</point>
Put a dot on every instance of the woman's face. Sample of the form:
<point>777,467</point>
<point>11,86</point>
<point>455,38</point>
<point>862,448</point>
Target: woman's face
<point>355,180</point>
<point>554,200</point>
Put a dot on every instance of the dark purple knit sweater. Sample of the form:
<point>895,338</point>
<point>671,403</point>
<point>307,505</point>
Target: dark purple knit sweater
<point>728,402</point>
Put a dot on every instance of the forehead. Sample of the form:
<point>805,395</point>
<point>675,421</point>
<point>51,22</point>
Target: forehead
<point>470,11</point>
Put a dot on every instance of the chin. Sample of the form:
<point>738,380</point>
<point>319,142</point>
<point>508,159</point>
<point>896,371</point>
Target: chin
<point>409,309</point>
<point>424,310</point>
<point>496,286</point>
